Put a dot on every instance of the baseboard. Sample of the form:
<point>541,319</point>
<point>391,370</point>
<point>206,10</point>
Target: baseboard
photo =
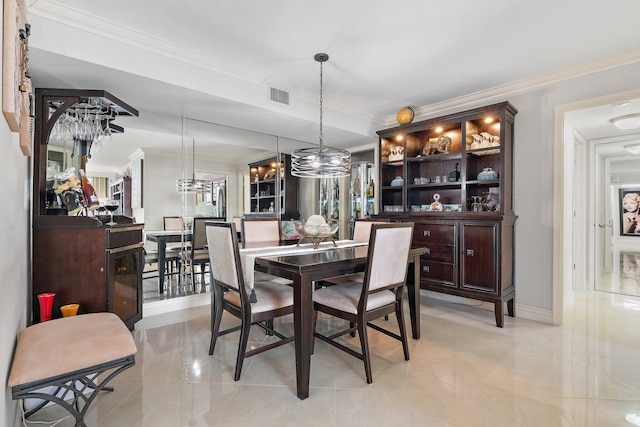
<point>522,311</point>
<point>165,306</point>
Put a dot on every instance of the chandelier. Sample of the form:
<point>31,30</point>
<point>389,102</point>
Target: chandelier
<point>191,185</point>
<point>321,161</point>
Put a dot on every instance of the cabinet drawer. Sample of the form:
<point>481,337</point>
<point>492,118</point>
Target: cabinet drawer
<point>437,271</point>
<point>441,253</point>
<point>123,237</point>
<point>434,233</point>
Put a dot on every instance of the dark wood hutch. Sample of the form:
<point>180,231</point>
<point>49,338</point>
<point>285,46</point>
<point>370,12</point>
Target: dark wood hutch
<point>453,177</point>
<point>273,190</point>
<point>81,258</point>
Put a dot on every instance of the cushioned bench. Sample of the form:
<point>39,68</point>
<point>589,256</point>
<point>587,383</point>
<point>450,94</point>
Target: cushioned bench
<point>68,361</point>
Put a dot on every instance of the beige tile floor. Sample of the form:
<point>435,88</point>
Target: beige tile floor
<point>463,372</point>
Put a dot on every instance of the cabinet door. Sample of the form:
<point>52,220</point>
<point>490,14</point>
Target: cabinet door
<point>124,277</point>
<point>479,257</point>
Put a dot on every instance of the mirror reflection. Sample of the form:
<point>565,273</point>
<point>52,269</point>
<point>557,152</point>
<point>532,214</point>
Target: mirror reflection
<point>140,167</point>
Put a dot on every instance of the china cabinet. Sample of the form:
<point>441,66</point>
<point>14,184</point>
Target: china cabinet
<point>273,190</point>
<point>80,257</point>
<point>121,191</point>
<point>453,177</point>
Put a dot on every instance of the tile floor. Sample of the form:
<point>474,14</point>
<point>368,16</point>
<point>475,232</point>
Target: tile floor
<point>463,372</point>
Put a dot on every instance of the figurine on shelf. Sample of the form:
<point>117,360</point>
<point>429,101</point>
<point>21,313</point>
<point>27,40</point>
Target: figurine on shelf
<point>436,205</point>
<point>439,145</point>
<point>271,207</point>
<point>270,174</point>
<point>397,153</point>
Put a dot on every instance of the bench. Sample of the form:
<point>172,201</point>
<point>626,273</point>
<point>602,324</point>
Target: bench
<point>73,356</point>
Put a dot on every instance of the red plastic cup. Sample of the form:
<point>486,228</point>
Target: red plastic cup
<point>46,305</point>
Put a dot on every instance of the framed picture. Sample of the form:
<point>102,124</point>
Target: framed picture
<point>17,94</point>
<point>136,184</point>
<point>629,206</point>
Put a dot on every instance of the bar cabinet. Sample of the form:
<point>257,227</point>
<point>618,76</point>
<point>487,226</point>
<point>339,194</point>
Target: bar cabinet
<point>81,258</point>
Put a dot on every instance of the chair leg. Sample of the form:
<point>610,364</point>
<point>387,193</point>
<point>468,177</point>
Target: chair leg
<point>314,322</point>
<point>402,329</point>
<point>364,344</point>
<point>269,324</point>
<point>351,325</point>
<point>242,346</point>
<point>216,317</point>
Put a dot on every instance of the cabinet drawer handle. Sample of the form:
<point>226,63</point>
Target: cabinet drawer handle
<point>469,252</point>
<point>427,251</point>
<point>425,268</point>
<point>426,233</point>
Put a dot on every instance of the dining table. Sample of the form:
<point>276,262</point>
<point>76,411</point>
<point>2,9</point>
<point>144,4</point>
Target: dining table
<point>163,237</point>
<point>304,268</point>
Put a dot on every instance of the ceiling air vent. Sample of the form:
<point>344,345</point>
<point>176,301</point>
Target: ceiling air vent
<point>277,95</point>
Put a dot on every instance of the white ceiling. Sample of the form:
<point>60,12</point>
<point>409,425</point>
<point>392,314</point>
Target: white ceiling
<point>214,61</point>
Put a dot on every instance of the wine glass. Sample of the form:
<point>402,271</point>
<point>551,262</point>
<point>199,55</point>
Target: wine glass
<point>112,206</point>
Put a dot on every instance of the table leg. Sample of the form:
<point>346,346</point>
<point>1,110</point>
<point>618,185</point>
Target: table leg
<point>413,293</point>
<point>302,321</point>
<point>162,251</point>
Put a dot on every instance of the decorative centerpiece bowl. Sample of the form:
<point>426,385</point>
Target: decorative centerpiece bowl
<point>316,230</point>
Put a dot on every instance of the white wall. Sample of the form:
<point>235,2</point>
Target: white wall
<point>534,176</point>
<point>15,229</point>
<point>160,172</point>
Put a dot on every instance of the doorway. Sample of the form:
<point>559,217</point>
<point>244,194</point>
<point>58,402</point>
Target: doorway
<point>619,269</point>
<point>597,157</point>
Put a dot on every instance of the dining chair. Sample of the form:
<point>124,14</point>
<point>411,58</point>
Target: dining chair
<point>361,233</point>
<point>230,293</point>
<point>361,302</point>
<point>260,230</point>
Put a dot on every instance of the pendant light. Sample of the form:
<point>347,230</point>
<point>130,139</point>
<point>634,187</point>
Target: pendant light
<point>321,161</point>
<point>191,185</point>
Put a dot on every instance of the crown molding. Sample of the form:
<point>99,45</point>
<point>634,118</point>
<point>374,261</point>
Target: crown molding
<point>521,86</point>
<point>75,18</point>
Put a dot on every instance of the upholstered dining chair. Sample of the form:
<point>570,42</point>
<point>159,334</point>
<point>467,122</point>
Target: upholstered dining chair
<point>361,233</point>
<point>361,302</point>
<point>230,293</point>
<point>259,230</point>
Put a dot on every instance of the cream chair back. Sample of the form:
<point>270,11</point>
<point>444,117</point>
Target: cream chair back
<point>172,223</point>
<point>223,255</point>
<point>254,231</point>
<point>362,230</point>
<point>388,256</point>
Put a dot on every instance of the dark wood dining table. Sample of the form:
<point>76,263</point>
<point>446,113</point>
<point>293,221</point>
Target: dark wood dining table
<point>162,238</point>
<point>304,269</point>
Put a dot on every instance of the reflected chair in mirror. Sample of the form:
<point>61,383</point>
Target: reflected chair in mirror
<point>378,295</point>
<point>151,259</point>
<point>230,293</point>
<point>173,223</point>
<point>197,255</point>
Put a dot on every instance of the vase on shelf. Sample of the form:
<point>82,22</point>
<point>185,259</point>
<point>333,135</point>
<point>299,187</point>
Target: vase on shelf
<point>487,174</point>
<point>46,305</point>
